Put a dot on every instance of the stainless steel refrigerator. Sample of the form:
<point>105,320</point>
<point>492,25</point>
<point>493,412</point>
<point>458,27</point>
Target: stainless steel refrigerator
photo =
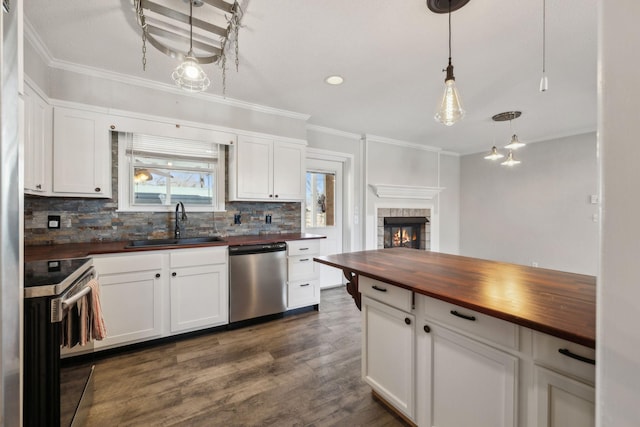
<point>11,207</point>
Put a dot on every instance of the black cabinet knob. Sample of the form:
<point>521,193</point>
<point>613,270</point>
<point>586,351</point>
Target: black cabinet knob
<point>427,329</point>
<point>157,275</point>
<point>97,189</point>
<point>407,320</point>
<point>276,195</point>
<point>174,274</point>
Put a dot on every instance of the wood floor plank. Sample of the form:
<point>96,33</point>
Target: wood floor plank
<point>301,370</point>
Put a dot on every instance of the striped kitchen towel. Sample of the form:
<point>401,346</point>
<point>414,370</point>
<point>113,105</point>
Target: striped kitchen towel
<point>98,328</point>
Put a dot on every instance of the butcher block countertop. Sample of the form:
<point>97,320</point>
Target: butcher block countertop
<point>554,302</point>
<point>77,250</point>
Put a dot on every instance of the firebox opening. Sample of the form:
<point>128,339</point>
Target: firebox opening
<point>403,231</point>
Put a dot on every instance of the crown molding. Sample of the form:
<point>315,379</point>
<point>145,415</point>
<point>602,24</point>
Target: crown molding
<point>397,142</point>
<point>32,36</point>
<point>331,131</point>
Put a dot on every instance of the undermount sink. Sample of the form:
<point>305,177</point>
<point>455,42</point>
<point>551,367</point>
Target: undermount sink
<point>172,242</point>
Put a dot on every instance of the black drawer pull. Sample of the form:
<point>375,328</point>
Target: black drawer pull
<point>379,289</point>
<point>306,284</point>
<point>303,249</point>
<point>304,259</point>
<point>463,316</point>
<point>427,329</point>
<point>568,353</point>
<point>407,320</point>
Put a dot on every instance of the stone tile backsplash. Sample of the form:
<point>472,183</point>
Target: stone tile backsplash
<point>95,220</point>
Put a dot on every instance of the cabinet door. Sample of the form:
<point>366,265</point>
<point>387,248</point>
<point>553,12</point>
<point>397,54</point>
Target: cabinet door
<point>288,171</point>
<point>199,297</point>
<point>81,154</point>
<point>464,382</point>
<point>254,159</point>
<point>562,401</point>
<point>37,143</point>
<point>131,306</point>
<point>388,354</point>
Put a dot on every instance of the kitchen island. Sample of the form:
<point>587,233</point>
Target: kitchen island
<point>554,302</point>
<point>450,340</point>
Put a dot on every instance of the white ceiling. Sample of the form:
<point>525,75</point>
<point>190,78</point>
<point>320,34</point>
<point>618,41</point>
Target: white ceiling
<point>390,52</point>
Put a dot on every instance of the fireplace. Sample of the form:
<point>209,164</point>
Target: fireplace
<point>403,232</point>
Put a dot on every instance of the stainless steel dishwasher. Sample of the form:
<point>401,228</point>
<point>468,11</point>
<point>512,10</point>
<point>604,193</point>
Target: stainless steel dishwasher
<point>257,281</point>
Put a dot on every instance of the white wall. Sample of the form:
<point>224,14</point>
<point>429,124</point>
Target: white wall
<point>618,335</point>
<point>538,211</point>
<point>449,205</point>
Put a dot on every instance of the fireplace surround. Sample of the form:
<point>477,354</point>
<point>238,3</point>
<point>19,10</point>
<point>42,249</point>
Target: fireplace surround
<point>416,224</point>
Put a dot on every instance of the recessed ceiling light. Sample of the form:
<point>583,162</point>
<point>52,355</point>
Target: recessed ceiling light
<point>334,80</point>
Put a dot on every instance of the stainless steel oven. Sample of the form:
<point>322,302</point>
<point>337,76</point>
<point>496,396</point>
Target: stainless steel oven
<point>53,395</point>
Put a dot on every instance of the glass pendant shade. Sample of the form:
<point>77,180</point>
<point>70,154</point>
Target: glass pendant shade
<point>510,160</point>
<point>450,110</point>
<point>190,76</point>
<point>494,155</point>
<point>514,144</point>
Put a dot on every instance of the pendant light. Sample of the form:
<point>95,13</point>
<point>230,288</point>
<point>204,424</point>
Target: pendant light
<point>510,160</point>
<point>450,110</point>
<point>494,154</point>
<point>189,75</point>
<point>515,143</point>
<point>544,83</point>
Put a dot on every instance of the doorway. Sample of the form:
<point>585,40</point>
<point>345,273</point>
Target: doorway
<point>323,212</point>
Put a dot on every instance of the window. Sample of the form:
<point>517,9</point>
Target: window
<point>155,173</point>
<point>320,205</point>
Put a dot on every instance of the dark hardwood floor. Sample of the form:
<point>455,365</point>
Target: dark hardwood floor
<point>301,370</point>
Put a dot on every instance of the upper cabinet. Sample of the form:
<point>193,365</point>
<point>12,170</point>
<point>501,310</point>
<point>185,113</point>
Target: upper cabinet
<point>266,170</point>
<point>81,153</point>
<point>37,143</point>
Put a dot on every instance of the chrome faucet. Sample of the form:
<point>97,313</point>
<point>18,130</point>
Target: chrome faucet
<point>182,217</point>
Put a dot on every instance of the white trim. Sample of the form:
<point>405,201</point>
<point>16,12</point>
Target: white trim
<point>331,131</point>
<point>384,191</point>
<point>390,141</point>
<point>34,39</point>
<point>560,135</point>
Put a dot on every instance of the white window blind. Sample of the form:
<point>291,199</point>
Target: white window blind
<point>158,146</point>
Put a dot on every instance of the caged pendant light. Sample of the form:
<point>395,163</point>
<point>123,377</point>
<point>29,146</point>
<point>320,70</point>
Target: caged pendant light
<point>450,110</point>
<point>189,75</point>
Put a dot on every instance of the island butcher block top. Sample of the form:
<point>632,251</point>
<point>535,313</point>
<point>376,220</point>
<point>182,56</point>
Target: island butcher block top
<point>554,302</point>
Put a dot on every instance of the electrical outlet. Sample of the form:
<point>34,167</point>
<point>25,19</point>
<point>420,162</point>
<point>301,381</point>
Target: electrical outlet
<point>267,219</point>
<point>53,221</point>
<point>534,263</point>
<point>237,219</point>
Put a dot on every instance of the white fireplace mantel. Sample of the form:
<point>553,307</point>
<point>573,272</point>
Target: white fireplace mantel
<point>384,191</point>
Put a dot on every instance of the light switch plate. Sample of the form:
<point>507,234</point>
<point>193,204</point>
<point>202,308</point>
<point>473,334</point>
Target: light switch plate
<point>53,221</point>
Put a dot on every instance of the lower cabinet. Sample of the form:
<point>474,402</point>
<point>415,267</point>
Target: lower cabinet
<point>388,360</point>
<point>131,296</point>
<point>464,382</point>
<point>563,401</point>
<point>303,285</point>
<point>199,289</point>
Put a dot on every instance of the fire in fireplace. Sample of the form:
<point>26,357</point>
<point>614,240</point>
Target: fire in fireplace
<point>403,232</point>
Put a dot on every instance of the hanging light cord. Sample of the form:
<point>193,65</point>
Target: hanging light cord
<point>449,32</point>
<point>190,25</point>
<point>544,36</point>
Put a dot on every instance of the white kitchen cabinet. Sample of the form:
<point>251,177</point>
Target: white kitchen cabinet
<point>464,375</point>
<point>38,128</point>
<point>131,297</point>
<point>266,170</point>
<point>464,382</point>
<point>199,288</point>
<point>81,153</point>
<point>564,374</point>
<point>563,401</point>
<point>303,285</point>
<point>388,354</point>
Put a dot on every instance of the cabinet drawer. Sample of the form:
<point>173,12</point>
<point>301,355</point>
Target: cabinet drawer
<point>478,325</point>
<point>546,351</point>
<point>120,263</point>
<point>302,293</point>
<point>301,267</point>
<point>384,292</point>
<point>202,256</point>
<point>303,247</point>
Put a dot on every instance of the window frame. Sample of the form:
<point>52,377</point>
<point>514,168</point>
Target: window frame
<point>126,182</point>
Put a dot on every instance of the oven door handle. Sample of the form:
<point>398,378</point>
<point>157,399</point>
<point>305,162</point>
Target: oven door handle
<point>73,299</point>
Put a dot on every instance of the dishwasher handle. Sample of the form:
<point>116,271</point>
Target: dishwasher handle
<point>257,249</point>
